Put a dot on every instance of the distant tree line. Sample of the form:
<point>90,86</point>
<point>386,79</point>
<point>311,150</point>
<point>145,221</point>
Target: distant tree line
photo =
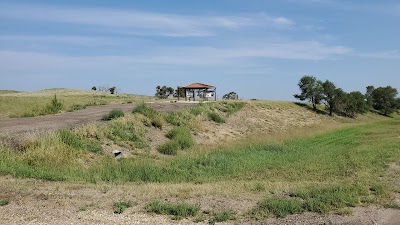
<point>383,99</point>
<point>105,89</point>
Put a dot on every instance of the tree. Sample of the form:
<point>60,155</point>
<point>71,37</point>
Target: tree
<point>311,90</point>
<point>368,96</point>
<point>164,91</point>
<point>112,90</point>
<point>94,88</point>
<point>355,104</point>
<point>181,94</point>
<point>384,99</point>
<point>330,95</point>
<point>230,95</point>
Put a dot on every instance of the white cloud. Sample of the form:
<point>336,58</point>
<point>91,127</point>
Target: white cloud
<point>282,21</point>
<point>139,22</point>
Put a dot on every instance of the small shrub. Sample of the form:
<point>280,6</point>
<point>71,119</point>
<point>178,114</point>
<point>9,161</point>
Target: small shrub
<point>157,121</point>
<point>70,138</point>
<point>392,206</point>
<point>180,118</point>
<point>120,207</point>
<point>169,148</point>
<point>53,107</point>
<point>144,109</point>
<point>179,211</point>
<point>4,202</point>
<point>216,118</point>
<point>182,136</point>
<point>115,113</point>
<point>223,216</point>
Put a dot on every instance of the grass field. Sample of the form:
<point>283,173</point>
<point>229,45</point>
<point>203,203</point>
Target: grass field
<point>323,167</point>
<point>29,104</point>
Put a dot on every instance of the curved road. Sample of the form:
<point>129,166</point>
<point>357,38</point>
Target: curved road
<point>73,119</point>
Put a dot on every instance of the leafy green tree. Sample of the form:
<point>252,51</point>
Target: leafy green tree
<point>311,90</point>
<point>230,95</point>
<point>179,92</point>
<point>330,95</point>
<point>384,99</point>
<point>94,88</point>
<point>368,96</point>
<point>355,104</point>
<point>164,92</point>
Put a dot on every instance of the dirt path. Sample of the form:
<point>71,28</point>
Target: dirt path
<point>12,126</point>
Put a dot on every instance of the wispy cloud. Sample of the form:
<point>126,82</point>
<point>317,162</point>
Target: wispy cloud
<point>139,22</point>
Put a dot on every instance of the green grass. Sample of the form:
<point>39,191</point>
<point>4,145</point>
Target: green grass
<point>120,207</point>
<point>157,120</point>
<point>115,113</point>
<point>278,206</point>
<point>179,210</point>
<point>169,148</point>
<point>183,136</point>
<point>216,118</point>
<point>223,216</point>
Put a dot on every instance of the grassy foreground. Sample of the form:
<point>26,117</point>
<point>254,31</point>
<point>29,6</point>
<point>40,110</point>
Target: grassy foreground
<point>327,171</point>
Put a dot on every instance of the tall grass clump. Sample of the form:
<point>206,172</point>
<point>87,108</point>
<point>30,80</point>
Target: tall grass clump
<point>169,148</point>
<point>216,117</point>
<point>183,136</point>
<point>127,131</point>
<point>4,202</point>
<point>157,120</point>
<point>55,106</point>
<point>223,216</point>
<point>277,206</point>
<point>179,211</point>
<point>231,107</point>
<point>115,113</point>
<point>70,138</point>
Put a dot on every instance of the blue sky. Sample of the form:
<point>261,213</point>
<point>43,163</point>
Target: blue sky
<point>258,48</point>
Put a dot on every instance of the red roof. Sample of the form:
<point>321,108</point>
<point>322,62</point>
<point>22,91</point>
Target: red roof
<point>198,86</point>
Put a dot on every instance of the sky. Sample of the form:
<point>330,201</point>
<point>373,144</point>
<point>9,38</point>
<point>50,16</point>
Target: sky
<point>257,48</point>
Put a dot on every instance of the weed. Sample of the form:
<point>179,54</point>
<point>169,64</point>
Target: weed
<point>344,211</point>
<point>223,216</point>
<point>179,211</point>
<point>182,136</point>
<point>259,187</point>
<point>216,118</point>
<point>4,202</point>
<point>54,106</point>
<point>169,148</point>
<point>144,109</point>
<point>93,146</point>
<point>115,113</point>
<point>70,138</point>
<point>280,207</point>
<point>120,207</point>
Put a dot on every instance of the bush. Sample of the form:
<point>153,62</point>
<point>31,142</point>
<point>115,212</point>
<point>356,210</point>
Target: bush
<point>156,119</point>
<point>179,211</point>
<point>53,107</point>
<point>144,109</point>
<point>119,207</point>
<point>70,138</point>
<point>169,148</point>
<point>216,118</point>
<point>182,136</point>
<point>115,113</point>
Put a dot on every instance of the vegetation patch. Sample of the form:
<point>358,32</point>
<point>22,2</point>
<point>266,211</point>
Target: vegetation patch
<point>4,202</point>
<point>179,211</point>
<point>120,207</point>
<point>183,136</point>
<point>223,216</point>
<point>157,120</point>
<point>215,117</point>
<point>169,148</point>
<point>320,200</point>
<point>115,113</point>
